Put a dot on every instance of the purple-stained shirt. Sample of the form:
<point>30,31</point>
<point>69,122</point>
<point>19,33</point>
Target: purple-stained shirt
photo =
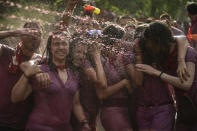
<point>88,99</point>
<point>53,105</point>
<point>177,32</point>
<point>154,91</point>
<point>191,56</point>
<point>11,115</point>
<point>115,72</point>
<point>88,96</point>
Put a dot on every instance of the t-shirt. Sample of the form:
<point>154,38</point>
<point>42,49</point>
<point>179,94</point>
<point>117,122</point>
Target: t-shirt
<point>53,105</point>
<point>11,115</point>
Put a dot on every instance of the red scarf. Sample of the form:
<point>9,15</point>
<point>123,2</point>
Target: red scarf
<point>16,60</point>
<point>62,67</point>
<point>189,35</point>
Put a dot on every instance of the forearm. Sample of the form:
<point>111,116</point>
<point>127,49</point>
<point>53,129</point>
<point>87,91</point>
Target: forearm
<point>134,75</point>
<point>5,34</point>
<point>67,14</point>
<point>182,48</point>
<point>21,90</point>
<point>78,109</point>
<point>100,71</point>
<point>104,93</point>
<point>176,82</point>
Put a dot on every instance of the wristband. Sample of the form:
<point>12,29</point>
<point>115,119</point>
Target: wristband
<point>160,74</point>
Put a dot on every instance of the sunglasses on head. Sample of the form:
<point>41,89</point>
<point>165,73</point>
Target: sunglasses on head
<point>91,32</point>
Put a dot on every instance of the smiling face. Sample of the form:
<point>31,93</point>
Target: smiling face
<point>59,47</point>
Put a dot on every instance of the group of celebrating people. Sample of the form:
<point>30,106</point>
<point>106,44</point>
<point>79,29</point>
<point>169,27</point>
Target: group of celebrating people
<point>136,77</point>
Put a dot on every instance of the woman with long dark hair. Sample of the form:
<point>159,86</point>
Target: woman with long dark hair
<point>53,105</point>
<point>160,54</point>
<point>85,55</point>
<point>114,111</point>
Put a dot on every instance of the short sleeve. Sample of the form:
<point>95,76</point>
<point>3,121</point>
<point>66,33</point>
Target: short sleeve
<point>191,55</point>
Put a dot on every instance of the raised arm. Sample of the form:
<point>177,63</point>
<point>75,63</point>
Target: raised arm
<point>104,93</point>
<point>183,44</point>
<point>67,14</point>
<point>135,76</point>
<point>95,52</point>
<point>20,32</point>
<point>9,33</point>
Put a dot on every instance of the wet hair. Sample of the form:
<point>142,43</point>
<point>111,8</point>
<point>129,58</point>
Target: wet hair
<point>192,8</point>
<point>140,30</point>
<point>160,36</point>
<point>149,20</point>
<point>112,31</point>
<point>34,25</point>
<point>48,48</point>
<point>165,16</point>
<point>31,25</point>
<point>132,25</point>
<point>77,39</point>
<point>127,17</point>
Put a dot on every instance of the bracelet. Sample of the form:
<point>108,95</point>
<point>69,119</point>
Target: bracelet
<point>160,74</point>
<point>83,122</point>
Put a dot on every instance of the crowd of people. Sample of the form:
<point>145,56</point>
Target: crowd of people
<point>132,75</point>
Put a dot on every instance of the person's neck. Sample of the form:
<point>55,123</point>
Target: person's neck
<point>58,62</point>
<point>26,52</point>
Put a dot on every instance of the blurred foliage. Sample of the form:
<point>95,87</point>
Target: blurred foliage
<point>146,8</point>
<point>14,13</point>
<point>136,8</point>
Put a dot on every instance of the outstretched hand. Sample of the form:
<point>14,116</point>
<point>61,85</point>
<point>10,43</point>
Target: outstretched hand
<point>73,2</point>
